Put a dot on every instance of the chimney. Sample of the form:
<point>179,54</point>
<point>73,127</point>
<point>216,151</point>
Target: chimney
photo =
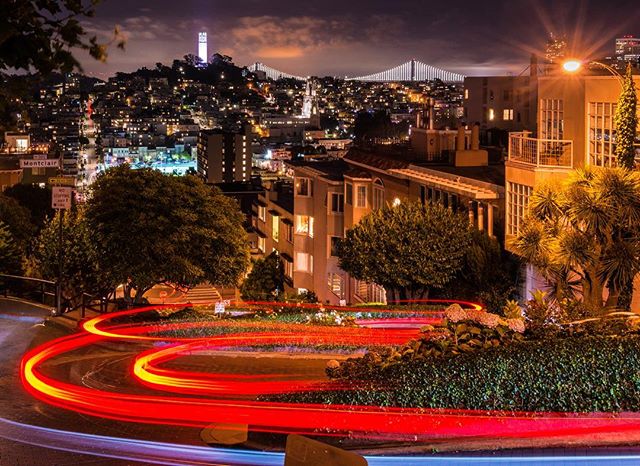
<point>460,143</point>
<point>475,137</point>
<point>533,65</point>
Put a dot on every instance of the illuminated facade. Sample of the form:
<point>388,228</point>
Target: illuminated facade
<point>224,157</point>
<point>628,49</point>
<point>576,129</point>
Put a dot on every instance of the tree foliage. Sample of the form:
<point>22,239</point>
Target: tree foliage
<point>81,273</point>
<point>265,282</point>
<point>10,258</point>
<point>18,220</point>
<point>626,122</point>
<point>40,34</point>
<point>409,249</point>
<point>153,228</point>
<point>584,236</point>
<point>36,199</point>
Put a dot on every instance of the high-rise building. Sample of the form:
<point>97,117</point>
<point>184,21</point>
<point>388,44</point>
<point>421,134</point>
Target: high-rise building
<point>202,47</point>
<point>556,49</point>
<point>224,156</point>
<point>628,49</point>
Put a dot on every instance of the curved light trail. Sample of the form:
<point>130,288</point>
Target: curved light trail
<point>220,397</point>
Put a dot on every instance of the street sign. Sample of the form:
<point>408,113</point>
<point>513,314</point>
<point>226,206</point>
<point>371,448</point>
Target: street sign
<point>34,163</point>
<point>219,309</point>
<point>63,181</point>
<point>61,197</point>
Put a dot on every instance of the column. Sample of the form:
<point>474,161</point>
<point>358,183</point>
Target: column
<point>480,216</point>
<point>471,215</point>
<point>490,220</point>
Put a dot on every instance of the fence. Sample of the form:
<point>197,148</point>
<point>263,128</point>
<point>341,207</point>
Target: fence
<point>32,289</point>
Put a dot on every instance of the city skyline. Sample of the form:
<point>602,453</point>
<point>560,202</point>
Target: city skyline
<point>358,38</point>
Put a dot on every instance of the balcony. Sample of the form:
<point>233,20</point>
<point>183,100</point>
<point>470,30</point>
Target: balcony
<point>542,153</point>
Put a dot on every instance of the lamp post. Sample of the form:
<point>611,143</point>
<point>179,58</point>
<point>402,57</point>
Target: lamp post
<point>573,66</point>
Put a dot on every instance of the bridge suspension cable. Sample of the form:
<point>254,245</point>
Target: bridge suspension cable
<point>272,73</point>
<point>412,70</point>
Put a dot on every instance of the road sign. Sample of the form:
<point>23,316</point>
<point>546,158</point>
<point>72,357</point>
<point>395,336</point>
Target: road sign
<point>34,163</point>
<point>61,197</point>
<point>219,307</point>
<point>63,181</point>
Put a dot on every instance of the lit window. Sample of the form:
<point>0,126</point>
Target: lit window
<point>466,93</point>
<point>304,225</point>
<point>517,203</point>
<point>304,262</point>
<point>378,195</point>
<point>262,213</point>
<point>262,244</point>
<point>275,227</point>
<point>507,114</point>
<point>492,114</point>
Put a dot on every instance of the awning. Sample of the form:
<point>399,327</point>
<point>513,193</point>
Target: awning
<point>260,234</point>
<point>275,213</point>
<point>286,221</point>
<point>286,257</point>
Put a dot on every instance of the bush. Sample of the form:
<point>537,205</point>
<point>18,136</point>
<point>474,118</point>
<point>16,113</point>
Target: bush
<point>462,331</point>
<point>579,374</point>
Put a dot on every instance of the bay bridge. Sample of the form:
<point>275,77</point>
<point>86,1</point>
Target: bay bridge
<point>413,70</point>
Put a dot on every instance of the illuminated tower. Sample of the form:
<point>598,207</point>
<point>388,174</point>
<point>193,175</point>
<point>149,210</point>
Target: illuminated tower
<point>202,47</point>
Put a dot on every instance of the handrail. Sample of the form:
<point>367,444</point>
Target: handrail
<point>34,289</point>
<point>548,153</point>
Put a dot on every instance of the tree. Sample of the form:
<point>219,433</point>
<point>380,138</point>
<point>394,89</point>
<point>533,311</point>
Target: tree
<point>626,122</point>
<point>409,249</point>
<point>584,236</point>
<point>81,272</point>
<point>18,220</point>
<point>10,258</point>
<point>36,199</point>
<point>489,274</point>
<point>39,35</point>
<point>153,228</point>
<point>265,282</point>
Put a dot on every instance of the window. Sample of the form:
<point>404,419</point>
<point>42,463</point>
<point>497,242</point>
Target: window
<point>335,282</point>
<point>378,195</point>
<point>492,114</point>
<point>304,262</point>
<point>551,119</point>
<point>507,114</point>
<point>466,93</point>
<point>275,227</point>
<point>337,203</point>
<point>334,241</point>
<point>602,134</point>
<point>303,187</point>
<point>288,268</point>
<point>348,193</point>
<point>517,202</point>
<point>304,225</point>
<point>288,232</point>
<point>361,196</point>
<point>262,244</point>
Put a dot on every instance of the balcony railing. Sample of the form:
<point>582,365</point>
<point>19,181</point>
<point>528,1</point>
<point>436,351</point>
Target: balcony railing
<point>551,153</point>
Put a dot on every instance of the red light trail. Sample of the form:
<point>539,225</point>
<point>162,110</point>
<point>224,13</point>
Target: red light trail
<point>223,397</point>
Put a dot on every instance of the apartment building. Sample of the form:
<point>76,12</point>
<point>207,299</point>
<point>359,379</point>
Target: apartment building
<point>224,156</point>
<point>331,196</point>
<point>575,129</point>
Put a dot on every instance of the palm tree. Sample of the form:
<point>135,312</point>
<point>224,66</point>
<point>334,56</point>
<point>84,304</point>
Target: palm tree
<point>584,235</point>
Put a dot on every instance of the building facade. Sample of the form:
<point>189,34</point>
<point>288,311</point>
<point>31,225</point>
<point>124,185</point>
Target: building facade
<point>575,129</point>
<point>223,156</point>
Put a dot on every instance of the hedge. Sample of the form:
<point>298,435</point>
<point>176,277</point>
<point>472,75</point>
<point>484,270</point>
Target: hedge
<point>575,374</point>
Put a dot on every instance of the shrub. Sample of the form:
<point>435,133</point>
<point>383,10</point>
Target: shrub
<point>579,374</point>
<point>462,331</point>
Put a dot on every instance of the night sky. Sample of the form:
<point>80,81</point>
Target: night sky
<point>351,37</point>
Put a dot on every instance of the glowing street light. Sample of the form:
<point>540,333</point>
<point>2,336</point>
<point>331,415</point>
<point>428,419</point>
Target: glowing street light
<point>571,66</point>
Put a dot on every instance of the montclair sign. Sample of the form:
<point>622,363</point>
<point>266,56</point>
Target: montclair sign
<point>35,163</point>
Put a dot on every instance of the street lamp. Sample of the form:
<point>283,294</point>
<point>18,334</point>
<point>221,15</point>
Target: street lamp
<point>573,66</point>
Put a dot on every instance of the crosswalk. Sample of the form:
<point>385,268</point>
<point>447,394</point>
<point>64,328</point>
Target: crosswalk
<point>202,294</point>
